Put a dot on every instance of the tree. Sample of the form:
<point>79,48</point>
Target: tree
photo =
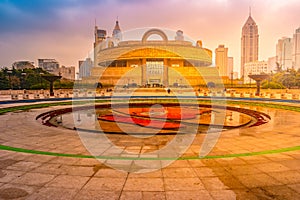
<point>4,81</point>
<point>15,82</point>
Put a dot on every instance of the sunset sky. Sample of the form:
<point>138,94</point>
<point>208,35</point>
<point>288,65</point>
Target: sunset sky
<point>63,29</point>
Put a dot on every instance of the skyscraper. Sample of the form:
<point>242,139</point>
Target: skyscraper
<point>296,49</point>
<point>249,43</point>
<point>284,53</point>
<point>222,60</point>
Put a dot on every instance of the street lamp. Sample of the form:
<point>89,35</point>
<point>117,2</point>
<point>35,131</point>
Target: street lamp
<point>250,81</point>
<point>231,79</point>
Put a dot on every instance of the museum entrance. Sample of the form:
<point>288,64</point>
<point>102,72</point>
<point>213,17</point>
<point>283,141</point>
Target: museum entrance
<point>154,73</point>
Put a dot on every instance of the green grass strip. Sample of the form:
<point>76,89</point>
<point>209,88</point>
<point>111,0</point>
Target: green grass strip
<point>30,151</point>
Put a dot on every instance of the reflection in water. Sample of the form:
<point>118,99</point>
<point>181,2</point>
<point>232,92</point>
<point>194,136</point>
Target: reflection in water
<point>141,120</point>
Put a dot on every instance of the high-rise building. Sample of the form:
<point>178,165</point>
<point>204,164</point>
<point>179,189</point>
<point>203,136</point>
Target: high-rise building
<point>222,60</point>
<point>100,35</point>
<point>284,53</point>
<point>249,43</point>
<point>85,67</point>
<point>296,49</point>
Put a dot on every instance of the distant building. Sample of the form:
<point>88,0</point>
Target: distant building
<point>296,49</point>
<point>230,66</point>
<point>23,65</point>
<point>66,72</point>
<point>179,36</point>
<point>257,67</point>
<point>222,60</point>
<point>249,43</point>
<point>117,33</point>
<point>85,67</point>
<point>49,65</point>
<point>284,53</point>
<point>272,64</point>
<point>100,38</point>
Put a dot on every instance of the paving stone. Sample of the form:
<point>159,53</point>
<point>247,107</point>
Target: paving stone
<point>154,195</point>
<point>16,191</point>
<point>131,195</point>
<point>223,194</point>
<point>24,166</point>
<point>78,170</point>
<point>105,184</point>
<point>144,184</point>
<point>67,181</point>
<point>50,168</point>
<point>178,172</point>
<point>179,195</point>
<point>213,183</point>
<point>257,180</point>
<point>154,174</point>
<point>288,177</point>
<point>9,175</point>
<point>183,184</point>
<point>97,195</point>
<point>51,193</point>
<point>113,173</point>
<point>36,179</point>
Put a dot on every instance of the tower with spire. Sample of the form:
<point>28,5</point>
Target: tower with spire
<point>249,43</point>
<point>117,33</point>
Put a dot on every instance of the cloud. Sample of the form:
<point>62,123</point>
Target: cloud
<point>38,15</point>
<point>64,29</point>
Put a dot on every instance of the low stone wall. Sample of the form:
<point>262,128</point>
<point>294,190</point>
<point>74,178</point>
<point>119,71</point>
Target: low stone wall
<point>61,93</point>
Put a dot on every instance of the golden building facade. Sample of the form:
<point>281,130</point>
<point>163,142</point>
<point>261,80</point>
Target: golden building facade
<point>148,62</point>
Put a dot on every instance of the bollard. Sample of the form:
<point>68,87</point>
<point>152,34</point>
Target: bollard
<point>295,96</point>
<point>283,96</point>
<point>25,96</point>
<point>36,96</point>
<point>14,96</point>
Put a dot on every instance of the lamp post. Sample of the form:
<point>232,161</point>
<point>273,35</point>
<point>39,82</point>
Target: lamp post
<point>258,78</point>
<point>231,79</point>
<point>51,79</point>
<point>250,82</point>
